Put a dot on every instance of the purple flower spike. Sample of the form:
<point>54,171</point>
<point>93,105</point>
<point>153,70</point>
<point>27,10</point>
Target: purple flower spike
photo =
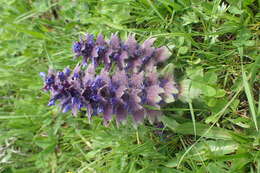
<point>115,78</point>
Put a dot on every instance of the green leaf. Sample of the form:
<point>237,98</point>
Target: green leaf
<point>205,89</point>
<point>189,92</point>
<point>210,77</point>
<point>183,50</point>
<point>220,93</point>
<point>205,150</point>
<point>204,130</point>
<point>201,129</point>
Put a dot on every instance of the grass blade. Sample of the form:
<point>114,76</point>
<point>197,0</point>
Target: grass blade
<point>250,98</point>
<point>193,118</point>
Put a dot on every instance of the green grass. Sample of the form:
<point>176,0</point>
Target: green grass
<point>215,53</point>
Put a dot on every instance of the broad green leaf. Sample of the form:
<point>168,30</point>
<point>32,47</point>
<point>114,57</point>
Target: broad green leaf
<point>201,129</point>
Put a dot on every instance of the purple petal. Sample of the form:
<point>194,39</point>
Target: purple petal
<point>121,112</point>
<point>77,46</point>
<point>153,115</point>
<point>85,61</point>
<point>150,65</point>
<point>134,100</point>
<point>66,108</point>
<point>90,39</point>
<point>152,77</point>
<point>67,71</point>
<point>107,60</point>
<point>51,103</point>
<point>121,59</point>
<point>94,52</point>
<point>61,76</point>
<point>114,42</point>
<point>89,111</point>
<point>108,111</point>
<point>76,71</point>
<point>120,91</point>
<point>120,78</point>
<point>147,49</point>
<point>89,74</point>
<point>50,80</point>
<point>104,75</point>
<point>43,75</point>
<point>148,43</point>
<point>162,54</point>
<point>153,94</point>
<point>131,45</point>
<point>100,40</point>
<point>136,80</point>
<point>139,115</point>
<point>133,65</point>
<point>170,89</point>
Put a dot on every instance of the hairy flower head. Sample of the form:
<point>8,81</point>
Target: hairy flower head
<point>116,78</point>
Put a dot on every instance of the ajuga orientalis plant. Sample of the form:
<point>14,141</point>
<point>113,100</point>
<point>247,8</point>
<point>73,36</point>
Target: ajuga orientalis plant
<point>115,78</point>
